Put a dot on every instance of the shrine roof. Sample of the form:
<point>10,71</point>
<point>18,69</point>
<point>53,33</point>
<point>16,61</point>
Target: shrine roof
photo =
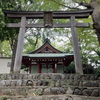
<point>46,44</point>
<point>47,55</point>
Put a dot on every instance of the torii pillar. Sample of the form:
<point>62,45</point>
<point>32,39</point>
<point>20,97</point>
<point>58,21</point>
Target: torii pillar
<point>77,56</point>
<point>19,51</point>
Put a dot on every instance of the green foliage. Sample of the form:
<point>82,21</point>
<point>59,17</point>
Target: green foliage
<point>50,5</point>
<point>70,68</point>
<point>97,1</point>
<point>25,92</point>
<point>11,92</point>
<point>31,44</point>
<point>4,76</point>
<point>88,44</point>
<point>39,92</point>
<point>34,94</point>
<point>7,33</point>
<point>5,48</point>
<point>3,97</point>
<point>97,71</point>
<point>24,67</point>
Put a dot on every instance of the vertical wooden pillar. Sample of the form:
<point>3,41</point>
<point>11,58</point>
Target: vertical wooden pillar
<point>63,68</point>
<point>77,56</point>
<point>38,70</point>
<point>30,69</point>
<point>46,68</point>
<point>30,66</point>
<point>55,68</point>
<point>19,51</point>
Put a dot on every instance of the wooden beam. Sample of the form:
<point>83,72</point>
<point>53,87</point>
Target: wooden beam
<point>19,51</point>
<point>60,25</point>
<point>13,25</point>
<point>54,12</point>
<point>55,16</point>
<point>77,56</point>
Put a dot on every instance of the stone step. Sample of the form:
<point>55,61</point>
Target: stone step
<point>50,82</point>
<point>31,91</point>
<point>79,97</point>
<point>49,97</point>
<point>45,90</point>
<point>44,97</point>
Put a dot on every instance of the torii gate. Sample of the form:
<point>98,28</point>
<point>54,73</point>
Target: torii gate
<point>48,22</point>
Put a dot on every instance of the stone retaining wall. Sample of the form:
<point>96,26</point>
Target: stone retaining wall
<point>48,76</point>
<point>52,80</point>
<point>45,90</point>
<point>49,84</point>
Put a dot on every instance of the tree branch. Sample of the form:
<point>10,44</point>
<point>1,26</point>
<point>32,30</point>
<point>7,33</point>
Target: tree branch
<point>29,41</point>
<point>65,5</point>
<point>69,37</point>
<point>97,52</point>
<point>36,41</point>
<point>84,4</point>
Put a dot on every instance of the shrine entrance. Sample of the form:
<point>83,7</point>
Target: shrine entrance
<point>48,23</point>
<point>47,68</point>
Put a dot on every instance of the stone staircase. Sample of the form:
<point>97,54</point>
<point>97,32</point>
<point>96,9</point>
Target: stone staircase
<point>49,86</point>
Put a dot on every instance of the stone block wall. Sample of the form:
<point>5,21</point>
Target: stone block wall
<point>48,76</point>
<point>49,84</point>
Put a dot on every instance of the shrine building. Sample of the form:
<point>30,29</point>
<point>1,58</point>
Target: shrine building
<point>47,59</point>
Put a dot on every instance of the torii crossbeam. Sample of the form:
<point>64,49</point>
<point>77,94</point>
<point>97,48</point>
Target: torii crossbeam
<point>23,15</point>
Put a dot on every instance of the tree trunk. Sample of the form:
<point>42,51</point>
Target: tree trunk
<point>14,46</point>
<point>1,52</point>
<point>96,17</point>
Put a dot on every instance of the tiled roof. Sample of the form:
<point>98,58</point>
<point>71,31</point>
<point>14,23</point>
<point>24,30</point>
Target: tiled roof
<point>46,41</point>
<point>47,55</point>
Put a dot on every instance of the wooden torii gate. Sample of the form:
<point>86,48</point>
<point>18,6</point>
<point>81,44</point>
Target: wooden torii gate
<point>48,22</point>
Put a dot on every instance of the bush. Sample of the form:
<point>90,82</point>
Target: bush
<point>70,68</point>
